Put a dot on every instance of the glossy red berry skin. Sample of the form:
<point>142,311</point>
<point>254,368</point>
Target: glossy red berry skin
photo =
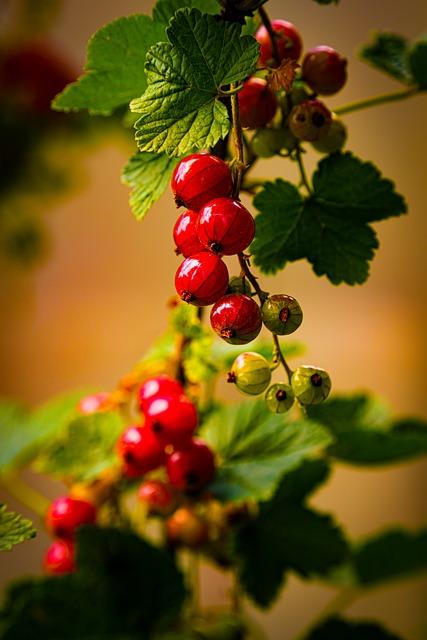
<point>225,226</point>
<point>185,235</point>
<point>257,104</point>
<point>59,558</point>
<point>236,318</point>
<point>66,514</point>
<point>173,419</point>
<point>324,70</point>
<point>160,385</point>
<point>140,451</point>
<point>191,468</point>
<point>198,178</point>
<point>201,279</point>
<point>157,497</point>
<point>289,43</point>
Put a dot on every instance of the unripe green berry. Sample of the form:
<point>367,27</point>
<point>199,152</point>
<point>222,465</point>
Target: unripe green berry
<point>311,385</point>
<point>250,373</point>
<point>281,314</point>
<point>279,397</point>
<point>298,94</point>
<point>334,140</point>
<point>237,284</point>
<point>268,142</point>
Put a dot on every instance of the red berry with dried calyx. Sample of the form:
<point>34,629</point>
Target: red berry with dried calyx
<point>310,120</point>
<point>185,234</point>
<point>157,497</point>
<point>172,419</point>
<point>160,385</point>
<point>186,527</point>
<point>200,177</point>
<point>140,451</point>
<point>281,314</point>
<point>65,515</point>
<point>225,226</point>
<point>257,104</point>
<point>59,558</point>
<point>236,318</point>
<point>288,42</point>
<point>201,279</point>
<point>324,70</point>
<point>192,467</point>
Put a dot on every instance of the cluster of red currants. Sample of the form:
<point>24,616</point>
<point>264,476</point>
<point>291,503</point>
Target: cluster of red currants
<point>323,72</point>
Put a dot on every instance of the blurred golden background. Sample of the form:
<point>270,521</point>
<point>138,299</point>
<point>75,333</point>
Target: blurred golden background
<point>88,313</point>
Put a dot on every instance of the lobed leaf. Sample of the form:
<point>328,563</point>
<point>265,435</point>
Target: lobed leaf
<point>180,108</point>
<point>14,529</point>
<point>164,10</point>
<point>417,59</point>
<point>388,52</point>
<point>340,629</point>
<point>114,71</point>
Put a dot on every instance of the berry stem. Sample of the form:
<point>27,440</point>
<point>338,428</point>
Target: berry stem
<point>244,264</point>
<point>267,24</point>
<point>26,495</point>
<point>238,142</point>
<point>303,174</point>
<point>376,100</point>
<point>278,355</point>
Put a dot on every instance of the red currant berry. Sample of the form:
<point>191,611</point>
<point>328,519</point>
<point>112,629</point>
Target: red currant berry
<point>201,279</point>
<point>157,497</point>
<point>94,403</point>
<point>59,558</point>
<point>257,104</point>
<point>140,451</point>
<point>185,235</point>
<point>198,178</point>
<point>191,468</point>
<point>173,419</point>
<point>236,318</point>
<point>225,226</point>
<point>160,385</point>
<point>324,70</point>
<point>66,514</point>
<point>289,43</point>
<point>310,120</point>
<point>186,527</point>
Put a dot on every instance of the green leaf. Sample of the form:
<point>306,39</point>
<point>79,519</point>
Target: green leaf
<point>418,62</point>
<point>22,434</point>
<point>339,629</point>
<point>114,71</point>
<point>281,208</point>
<point>84,449</point>
<point>388,52</point>
<point>148,175</point>
<point>331,229</point>
<point>14,529</point>
<point>287,535</point>
<point>166,9</point>
<point>366,435</point>
<point>181,110</point>
<point>137,586</point>
<point>256,448</point>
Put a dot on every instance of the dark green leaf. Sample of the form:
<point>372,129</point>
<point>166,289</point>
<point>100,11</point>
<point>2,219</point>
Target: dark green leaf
<point>330,229</point>
<point>23,433</point>
<point>418,62</point>
<point>166,9</point>
<point>123,589</point>
<point>287,535</point>
<point>180,108</point>
<point>84,449</point>
<point>148,175</point>
<point>366,435</point>
<point>257,448</point>
<point>388,52</point>
<point>276,241</point>
<point>14,529</point>
<point>339,629</point>
<point>114,71</point>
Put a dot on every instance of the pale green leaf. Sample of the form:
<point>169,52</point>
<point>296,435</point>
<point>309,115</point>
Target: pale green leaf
<point>14,529</point>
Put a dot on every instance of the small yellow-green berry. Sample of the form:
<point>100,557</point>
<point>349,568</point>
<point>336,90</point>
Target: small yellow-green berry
<point>237,284</point>
<point>279,397</point>
<point>281,314</point>
<point>334,140</point>
<point>250,373</point>
<point>311,385</point>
